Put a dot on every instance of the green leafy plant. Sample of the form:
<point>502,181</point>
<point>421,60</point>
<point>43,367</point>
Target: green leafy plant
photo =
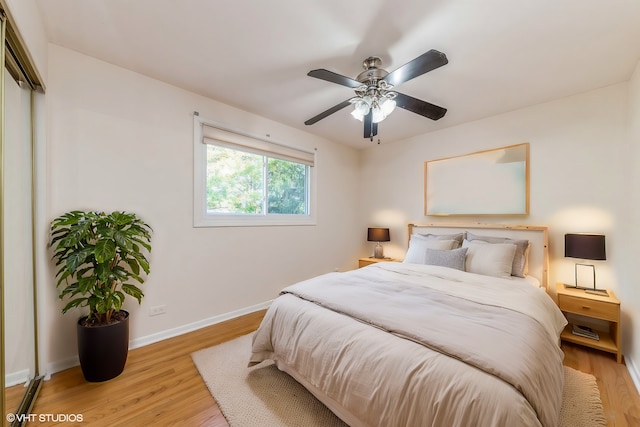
<point>98,258</point>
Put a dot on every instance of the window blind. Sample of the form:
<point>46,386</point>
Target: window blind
<point>236,141</point>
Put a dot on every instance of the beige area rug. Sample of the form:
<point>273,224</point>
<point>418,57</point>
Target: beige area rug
<point>264,396</point>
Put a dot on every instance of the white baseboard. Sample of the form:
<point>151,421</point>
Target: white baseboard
<point>61,365</point>
<point>170,333</point>
<point>15,378</point>
<point>633,372</point>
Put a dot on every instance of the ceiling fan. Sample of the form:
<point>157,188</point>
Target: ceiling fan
<point>374,96</point>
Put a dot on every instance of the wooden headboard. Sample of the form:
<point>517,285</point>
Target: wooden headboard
<point>538,235</point>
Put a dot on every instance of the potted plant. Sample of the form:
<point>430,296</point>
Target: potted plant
<point>98,258</point>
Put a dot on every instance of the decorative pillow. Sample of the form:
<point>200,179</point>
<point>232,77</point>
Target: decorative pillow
<point>458,237</point>
<point>453,259</point>
<point>520,265</point>
<point>490,259</point>
<point>418,246</point>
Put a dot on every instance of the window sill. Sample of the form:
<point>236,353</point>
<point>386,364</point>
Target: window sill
<point>251,221</point>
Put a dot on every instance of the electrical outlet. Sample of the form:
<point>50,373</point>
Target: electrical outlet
<point>158,309</point>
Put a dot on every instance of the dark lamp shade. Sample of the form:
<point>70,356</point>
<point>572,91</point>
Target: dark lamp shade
<point>585,246</point>
<point>378,235</point>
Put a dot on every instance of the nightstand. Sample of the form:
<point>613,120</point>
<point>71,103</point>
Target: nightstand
<point>607,308</point>
<point>366,261</point>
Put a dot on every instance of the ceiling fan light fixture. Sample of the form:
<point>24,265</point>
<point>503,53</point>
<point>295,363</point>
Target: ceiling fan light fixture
<point>382,109</point>
<point>377,115</point>
<point>357,115</point>
<point>388,105</point>
<point>361,106</point>
<point>376,98</point>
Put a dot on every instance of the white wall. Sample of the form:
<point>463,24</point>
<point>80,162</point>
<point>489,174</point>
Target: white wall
<point>630,294</point>
<point>118,140</point>
<point>578,154</point>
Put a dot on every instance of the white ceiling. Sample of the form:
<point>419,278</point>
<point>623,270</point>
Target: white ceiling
<point>254,55</point>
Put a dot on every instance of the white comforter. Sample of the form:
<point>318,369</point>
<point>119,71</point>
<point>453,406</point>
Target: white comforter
<point>447,348</point>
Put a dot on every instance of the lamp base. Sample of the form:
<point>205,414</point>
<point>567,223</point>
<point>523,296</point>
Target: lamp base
<point>378,251</point>
<point>601,292</point>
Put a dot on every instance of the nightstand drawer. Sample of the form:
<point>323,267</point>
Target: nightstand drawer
<point>363,262</point>
<point>591,308</point>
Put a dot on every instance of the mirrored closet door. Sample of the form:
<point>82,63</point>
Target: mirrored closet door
<point>18,335</point>
<point>19,328</point>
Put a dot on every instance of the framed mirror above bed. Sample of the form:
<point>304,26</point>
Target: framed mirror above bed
<point>490,182</point>
<point>537,256</point>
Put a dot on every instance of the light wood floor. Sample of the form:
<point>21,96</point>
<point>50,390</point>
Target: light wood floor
<point>618,393</point>
<point>161,387</point>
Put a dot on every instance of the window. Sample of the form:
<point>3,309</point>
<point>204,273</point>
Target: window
<point>242,180</point>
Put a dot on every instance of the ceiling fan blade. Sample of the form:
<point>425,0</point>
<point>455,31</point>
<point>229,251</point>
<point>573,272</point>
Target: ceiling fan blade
<point>370,128</point>
<point>422,64</point>
<point>332,77</point>
<point>328,112</point>
<point>419,107</point>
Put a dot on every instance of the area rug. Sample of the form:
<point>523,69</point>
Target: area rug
<point>264,396</point>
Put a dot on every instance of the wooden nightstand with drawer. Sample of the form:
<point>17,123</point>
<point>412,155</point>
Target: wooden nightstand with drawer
<point>366,261</point>
<point>604,308</point>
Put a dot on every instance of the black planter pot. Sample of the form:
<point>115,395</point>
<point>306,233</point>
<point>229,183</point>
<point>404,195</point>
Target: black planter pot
<point>103,349</point>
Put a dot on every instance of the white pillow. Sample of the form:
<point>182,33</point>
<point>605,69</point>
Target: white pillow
<point>520,267</point>
<point>458,237</point>
<point>489,259</point>
<point>418,245</point>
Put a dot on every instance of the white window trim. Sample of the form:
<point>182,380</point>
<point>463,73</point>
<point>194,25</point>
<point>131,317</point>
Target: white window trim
<point>200,216</point>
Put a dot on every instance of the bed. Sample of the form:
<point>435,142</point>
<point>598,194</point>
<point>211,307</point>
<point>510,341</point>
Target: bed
<point>424,343</point>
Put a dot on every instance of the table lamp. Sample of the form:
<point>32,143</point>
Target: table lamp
<point>586,246</point>
<point>378,235</point>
